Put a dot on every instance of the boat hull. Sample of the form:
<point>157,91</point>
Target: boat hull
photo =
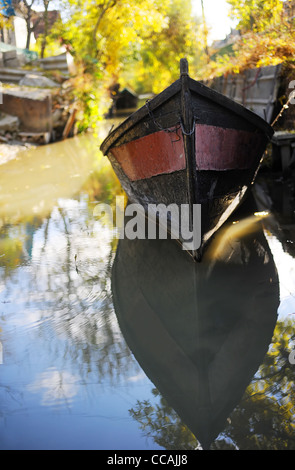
<point>189,145</point>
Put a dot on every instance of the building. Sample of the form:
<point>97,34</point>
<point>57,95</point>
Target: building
<point>13,29</point>
<point>38,21</point>
<point>15,33</point>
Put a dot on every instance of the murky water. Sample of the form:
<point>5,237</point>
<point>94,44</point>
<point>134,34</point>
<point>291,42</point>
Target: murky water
<point>129,345</point>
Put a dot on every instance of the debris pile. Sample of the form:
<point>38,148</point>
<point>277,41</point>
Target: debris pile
<point>37,101</point>
<point>37,110</point>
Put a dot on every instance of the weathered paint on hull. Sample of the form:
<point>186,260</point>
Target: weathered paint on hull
<point>226,149</point>
<point>151,155</point>
<point>218,192</point>
<point>152,170</point>
<point>189,145</point>
<point>163,152</point>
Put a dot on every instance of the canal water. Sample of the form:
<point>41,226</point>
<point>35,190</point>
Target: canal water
<point>114,344</point>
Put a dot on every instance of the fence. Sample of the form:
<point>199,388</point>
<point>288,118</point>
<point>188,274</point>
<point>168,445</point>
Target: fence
<point>256,89</point>
<point>62,62</point>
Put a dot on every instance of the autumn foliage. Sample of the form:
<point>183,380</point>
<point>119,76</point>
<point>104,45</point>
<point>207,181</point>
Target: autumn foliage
<point>267,37</point>
<point>139,44</point>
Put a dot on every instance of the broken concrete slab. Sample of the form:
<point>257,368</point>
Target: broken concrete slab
<point>8,55</point>
<point>10,59</point>
<point>32,107</point>
<point>8,123</point>
<point>63,62</point>
<point>37,81</point>
<point>11,75</point>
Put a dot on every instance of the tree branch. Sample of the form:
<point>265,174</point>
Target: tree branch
<point>109,4</point>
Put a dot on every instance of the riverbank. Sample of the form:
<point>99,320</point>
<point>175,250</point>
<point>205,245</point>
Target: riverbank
<point>34,114</point>
<point>9,151</point>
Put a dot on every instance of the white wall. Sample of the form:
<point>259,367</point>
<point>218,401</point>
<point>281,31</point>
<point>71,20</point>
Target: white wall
<point>21,32</point>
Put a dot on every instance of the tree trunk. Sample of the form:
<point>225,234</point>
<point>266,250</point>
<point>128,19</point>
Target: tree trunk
<point>45,17</point>
<point>205,31</point>
<point>29,31</point>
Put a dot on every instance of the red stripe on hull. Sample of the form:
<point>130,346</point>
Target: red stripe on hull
<point>226,149</point>
<point>163,152</point>
<point>152,155</point>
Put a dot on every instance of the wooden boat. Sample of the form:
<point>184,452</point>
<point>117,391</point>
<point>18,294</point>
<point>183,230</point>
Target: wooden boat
<point>199,331</point>
<point>125,102</point>
<point>189,145</point>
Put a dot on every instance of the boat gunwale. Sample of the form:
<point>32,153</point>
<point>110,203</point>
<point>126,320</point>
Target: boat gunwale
<point>196,87</point>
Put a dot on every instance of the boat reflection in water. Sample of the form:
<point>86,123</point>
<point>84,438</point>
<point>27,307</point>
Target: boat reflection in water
<point>199,330</point>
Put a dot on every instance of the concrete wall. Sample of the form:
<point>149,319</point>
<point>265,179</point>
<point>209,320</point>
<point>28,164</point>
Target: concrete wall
<point>34,109</point>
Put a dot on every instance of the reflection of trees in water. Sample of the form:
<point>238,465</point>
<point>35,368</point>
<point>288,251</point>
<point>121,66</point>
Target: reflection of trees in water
<point>264,419</point>
<point>54,275</point>
<point>16,244</point>
<point>161,422</point>
<point>65,281</point>
<point>83,309</point>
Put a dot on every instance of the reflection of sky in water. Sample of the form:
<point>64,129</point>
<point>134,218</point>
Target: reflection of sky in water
<point>65,361</point>
<point>56,387</point>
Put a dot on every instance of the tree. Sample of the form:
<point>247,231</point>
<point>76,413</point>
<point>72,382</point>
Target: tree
<point>136,43</point>
<point>266,38</point>
<point>45,19</point>
<point>159,51</point>
<point>103,32</point>
<point>255,15</point>
<point>4,23</point>
<point>116,36</point>
<point>26,9</point>
<point>205,30</point>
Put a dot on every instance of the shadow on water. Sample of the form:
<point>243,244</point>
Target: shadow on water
<point>200,331</point>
